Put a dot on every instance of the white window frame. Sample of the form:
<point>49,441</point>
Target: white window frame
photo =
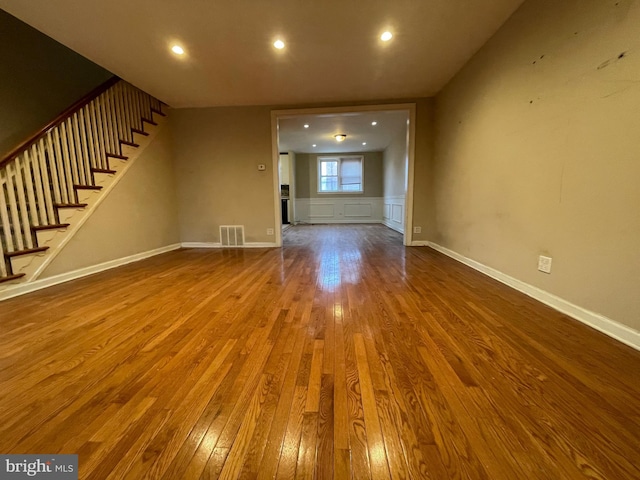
<point>339,159</point>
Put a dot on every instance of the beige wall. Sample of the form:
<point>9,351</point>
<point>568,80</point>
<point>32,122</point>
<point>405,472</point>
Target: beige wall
<point>537,153</point>
<point>423,192</point>
<point>395,166</point>
<point>140,214</point>
<point>307,175</point>
<point>40,78</point>
<point>217,152</point>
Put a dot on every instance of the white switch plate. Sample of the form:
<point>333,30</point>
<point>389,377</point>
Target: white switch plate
<point>544,264</point>
<point>269,231</point>
<point>417,229</point>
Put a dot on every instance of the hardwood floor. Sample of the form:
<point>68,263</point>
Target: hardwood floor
<point>341,355</point>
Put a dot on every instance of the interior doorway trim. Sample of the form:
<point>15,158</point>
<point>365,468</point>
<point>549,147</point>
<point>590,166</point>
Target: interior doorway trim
<point>411,133</point>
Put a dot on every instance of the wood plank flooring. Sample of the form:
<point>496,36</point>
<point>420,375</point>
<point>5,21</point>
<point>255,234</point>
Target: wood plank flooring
<point>341,355</point>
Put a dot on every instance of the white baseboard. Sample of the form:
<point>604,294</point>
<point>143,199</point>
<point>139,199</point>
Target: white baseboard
<point>609,327</point>
<point>21,289</point>
<point>219,245</point>
<point>393,226</point>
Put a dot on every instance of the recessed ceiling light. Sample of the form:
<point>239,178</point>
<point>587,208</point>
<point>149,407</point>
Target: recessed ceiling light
<point>177,49</point>
<point>313,145</point>
<point>279,44</point>
<point>386,36</point>
<point>374,123</point>
<point>364,143</point>
<point>340,137</point>
<point>306,125</point>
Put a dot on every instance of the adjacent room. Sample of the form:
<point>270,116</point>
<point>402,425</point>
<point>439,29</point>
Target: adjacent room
<point>320,239</point>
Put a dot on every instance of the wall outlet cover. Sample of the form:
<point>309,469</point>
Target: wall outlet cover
<point>544,264</point>
<point>417,229</point>
<point>269,231</point>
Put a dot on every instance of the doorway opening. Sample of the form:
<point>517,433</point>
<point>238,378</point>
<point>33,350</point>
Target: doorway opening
<point>344,165</point>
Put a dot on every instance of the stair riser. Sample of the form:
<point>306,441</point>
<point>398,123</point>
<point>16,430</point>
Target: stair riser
<point>70,215</point>
<point>88,196</point>
<point>128,150</point>
<point>51,238</point>
<point>27,264</point>
<point>116,164</point>
<point>103,179</point>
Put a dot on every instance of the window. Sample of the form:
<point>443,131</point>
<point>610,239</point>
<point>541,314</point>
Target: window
<point>340,174</point>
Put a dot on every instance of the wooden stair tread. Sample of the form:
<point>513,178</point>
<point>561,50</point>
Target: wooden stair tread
<point>103,170</point>
<point>159,112</point>
<point>141,132</point>
<point>50,227</point>
<point>69,205</point>
<point>25,252</point>
<point>117,155</point>
<point>150,122</point>
<point>87,187</point>
<point>11,277</point>
<point>128,143</point>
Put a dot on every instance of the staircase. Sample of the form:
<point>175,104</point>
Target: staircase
<point>50,184</point>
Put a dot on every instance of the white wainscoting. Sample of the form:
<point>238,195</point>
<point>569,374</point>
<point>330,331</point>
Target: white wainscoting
<point>339,210</point>
<point>393,213</point>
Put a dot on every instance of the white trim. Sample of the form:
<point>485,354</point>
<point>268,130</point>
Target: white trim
<point>219,245</point>
<point>392,226</point>
<point>201,245</point>
<point>275,180</point>
<point>340,209</point>
<point>408,198</point>
<point>609,327</point>
<point>390,205</point>
<point>21,289</point>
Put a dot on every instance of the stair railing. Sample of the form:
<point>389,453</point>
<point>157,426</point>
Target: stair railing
<point>44,173</point>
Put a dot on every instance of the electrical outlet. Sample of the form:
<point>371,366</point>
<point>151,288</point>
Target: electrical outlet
<point>269,231</point>
<point>417,229</point>
<point>544,264</point>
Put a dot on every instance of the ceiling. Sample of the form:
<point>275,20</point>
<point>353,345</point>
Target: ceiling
<point>293,136</point>
<point>333,50</point>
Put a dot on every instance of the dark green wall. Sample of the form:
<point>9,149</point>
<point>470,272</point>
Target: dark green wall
<point>39,78</point>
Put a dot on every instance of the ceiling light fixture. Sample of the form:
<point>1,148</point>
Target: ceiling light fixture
<point>364,143</point>
<point>374,123</point>
<point>279,44</point>
<point>313,145</point>
<point>340,137</point>
<point>177,49</point>
<point>386,36</point>
<point>306,125</point>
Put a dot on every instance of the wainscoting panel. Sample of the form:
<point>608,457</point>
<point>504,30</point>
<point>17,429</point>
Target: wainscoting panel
<point>339,210</point>
<point>321,210</point>
<point>357,210</point>
<point>394,213</point>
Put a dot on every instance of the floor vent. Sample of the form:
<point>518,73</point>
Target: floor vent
<point>231,235</point>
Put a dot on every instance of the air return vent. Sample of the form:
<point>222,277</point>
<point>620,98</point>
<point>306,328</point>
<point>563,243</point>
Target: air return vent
<point>231,235</point>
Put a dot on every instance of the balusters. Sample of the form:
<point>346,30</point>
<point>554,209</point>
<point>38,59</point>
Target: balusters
<point>62,156</point>
<point>44,174</point>
<point>4,212</point>
<point>41,164</point>
<point>13,206</point>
